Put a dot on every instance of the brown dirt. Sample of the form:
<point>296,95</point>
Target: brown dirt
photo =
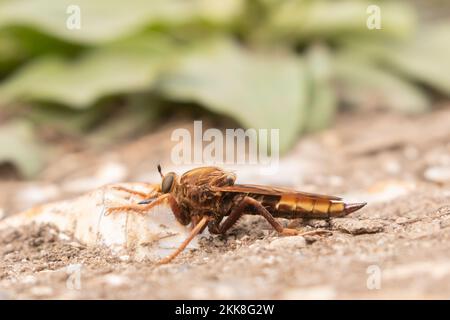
<point>407,238</point>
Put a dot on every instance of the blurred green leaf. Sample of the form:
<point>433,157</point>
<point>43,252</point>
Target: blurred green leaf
<point>425,59</point>
<point>364,84</point>
<point>17,45</point>
<point>67,121</point>
<point>242,84</point>
<point>139,113</point>
<point>19,146</point>
<point>107,20</point>
<point>80,83</point>
<point>329,19</point>
<point>256,61</point>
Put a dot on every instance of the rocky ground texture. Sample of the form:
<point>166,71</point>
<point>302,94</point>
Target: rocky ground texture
<point>396,247</point>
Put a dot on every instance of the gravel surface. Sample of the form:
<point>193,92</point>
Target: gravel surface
<point>396,247</point>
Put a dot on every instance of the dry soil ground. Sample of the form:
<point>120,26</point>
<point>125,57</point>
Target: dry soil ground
<point>396,247</point>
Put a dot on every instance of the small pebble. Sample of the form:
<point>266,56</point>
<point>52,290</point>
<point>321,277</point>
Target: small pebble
<point>63,237</point>
<point>124,258</point>
<point>439,174</point>
<point>288,242</point>
<point>115,280</point>
<point>355,226</point>
<point>392,167</point>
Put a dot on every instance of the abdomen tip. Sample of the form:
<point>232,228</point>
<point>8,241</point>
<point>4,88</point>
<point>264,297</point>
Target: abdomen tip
<point>352,207</point>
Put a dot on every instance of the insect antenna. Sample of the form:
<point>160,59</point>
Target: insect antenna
<point>160,171</point>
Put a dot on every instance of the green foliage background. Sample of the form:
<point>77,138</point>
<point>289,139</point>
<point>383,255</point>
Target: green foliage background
<point>285,64</point>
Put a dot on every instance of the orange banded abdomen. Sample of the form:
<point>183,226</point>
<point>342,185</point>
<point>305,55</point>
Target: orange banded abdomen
<point>309,207</point>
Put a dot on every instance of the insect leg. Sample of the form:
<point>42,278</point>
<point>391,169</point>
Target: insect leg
<point>194,222</point>
<point>233,217</point>
<point>130,191</point>
<point>275,224</point>
<point>197,229</point>
<point>140,194</point>
<point>139,208</point>
<point>147,206</point>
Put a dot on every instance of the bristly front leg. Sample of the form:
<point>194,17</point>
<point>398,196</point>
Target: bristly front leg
<point>144,195</point>
<point>139,208</point>
<point>196,230</point>
<point>146,205</point>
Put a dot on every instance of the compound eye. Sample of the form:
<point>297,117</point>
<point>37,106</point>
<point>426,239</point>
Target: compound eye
<point>167,183</point>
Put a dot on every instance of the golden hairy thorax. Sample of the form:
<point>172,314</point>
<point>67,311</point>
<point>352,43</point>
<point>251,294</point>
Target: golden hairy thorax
<point>195,195</point>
